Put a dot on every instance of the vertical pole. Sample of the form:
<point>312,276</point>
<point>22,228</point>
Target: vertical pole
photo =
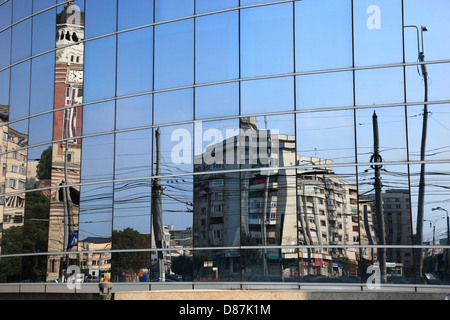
<point>379,200</point>
<point>158,228</point>
<point>420,205</point>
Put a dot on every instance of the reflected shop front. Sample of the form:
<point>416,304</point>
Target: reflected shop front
<point>226,141</point>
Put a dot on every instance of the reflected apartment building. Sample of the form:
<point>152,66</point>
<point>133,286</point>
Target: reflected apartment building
<point>260,208</point>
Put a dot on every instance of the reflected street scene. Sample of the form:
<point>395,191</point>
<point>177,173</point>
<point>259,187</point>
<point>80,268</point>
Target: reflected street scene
<point>225,144</point>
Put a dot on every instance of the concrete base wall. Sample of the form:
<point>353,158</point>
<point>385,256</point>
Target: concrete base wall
<point>278,295</point>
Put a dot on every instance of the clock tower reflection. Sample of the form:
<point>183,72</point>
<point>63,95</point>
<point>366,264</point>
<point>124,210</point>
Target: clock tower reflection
<point>66,150</point>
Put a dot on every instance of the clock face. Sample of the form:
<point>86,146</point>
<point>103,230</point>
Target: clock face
<point>75,76</point>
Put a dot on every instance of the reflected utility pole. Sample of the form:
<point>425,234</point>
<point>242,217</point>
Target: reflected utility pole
<point>421,197</point>
<point>376,158</point>
<point>158,228</point>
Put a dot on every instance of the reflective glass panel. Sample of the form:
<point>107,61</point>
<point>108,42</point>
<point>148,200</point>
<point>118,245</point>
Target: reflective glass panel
<point>267,95</point>
<point>267,40</point>
<point>174,54</point>
<point>133,154</point>
<point>434,16</point>
<point>134,61</point>
<point>322,27</point>
<point>41,129</point>
<point>21,9</point>
<point>174,106</point>
<point>385,219</point>
<point>5,14</point>
<point>391,127</point>
<point>327,135</point>
<point>100,17</point>
<point>171,9</point>
<point>217,100</point>
<point>43,4</point>
<point>328,215</point>
<point>217,47</point>
<point>44,28</point>
<point>437,126</point>
<point>97,158</point>
<point>377,32</point>
<point>202,6</point>
<point>134,112</point>
<point>20,90</point>
<point>5,48</point>
<point>100,69</point>
<point>379,86</point>
<point>98,117</point>
<point>42,83</point>
<point>324,90</point>
<point>134,13</point>
<point>21,41</point>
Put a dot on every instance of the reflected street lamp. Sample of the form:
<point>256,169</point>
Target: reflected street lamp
<point>448,233</point>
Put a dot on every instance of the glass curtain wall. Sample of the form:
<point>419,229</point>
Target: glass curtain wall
<point>235,141</point>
